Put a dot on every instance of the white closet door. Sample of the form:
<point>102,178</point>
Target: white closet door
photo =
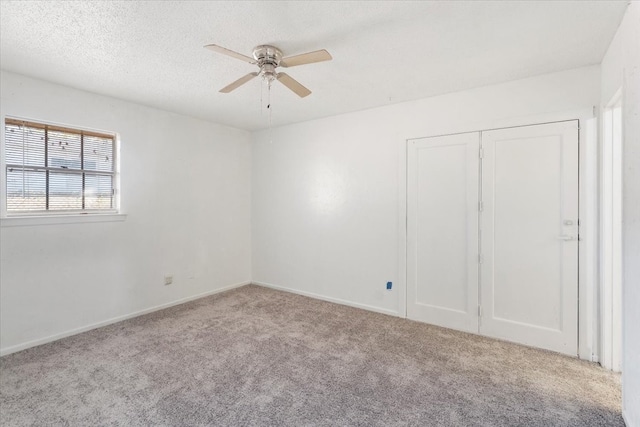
<point>442,231</point>
<point>529,232</point>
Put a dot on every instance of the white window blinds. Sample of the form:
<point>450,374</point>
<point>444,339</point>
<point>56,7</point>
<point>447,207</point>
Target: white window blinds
<point>51,168</point>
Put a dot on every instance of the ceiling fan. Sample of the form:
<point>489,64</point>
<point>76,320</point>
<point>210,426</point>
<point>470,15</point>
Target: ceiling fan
<point>268,58</point>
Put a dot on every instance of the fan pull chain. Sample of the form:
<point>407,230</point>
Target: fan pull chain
<point>270,111</point>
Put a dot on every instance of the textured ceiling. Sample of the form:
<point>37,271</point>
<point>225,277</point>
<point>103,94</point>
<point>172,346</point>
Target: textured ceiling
<point>151,52</point>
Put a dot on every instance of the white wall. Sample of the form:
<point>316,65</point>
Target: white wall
<point>621,69</point>
<point>185,190</point>
<point>327,211</point>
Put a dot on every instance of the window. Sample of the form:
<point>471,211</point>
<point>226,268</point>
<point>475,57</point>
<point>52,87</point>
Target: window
<point>53,169</point>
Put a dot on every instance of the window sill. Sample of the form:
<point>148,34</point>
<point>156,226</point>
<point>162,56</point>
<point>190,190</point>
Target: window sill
<point>20,221</point>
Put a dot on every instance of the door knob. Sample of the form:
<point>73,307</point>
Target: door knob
<point>565,237</point>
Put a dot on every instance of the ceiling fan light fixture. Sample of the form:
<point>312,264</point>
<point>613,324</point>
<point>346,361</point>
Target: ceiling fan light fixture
<point>268,73</point>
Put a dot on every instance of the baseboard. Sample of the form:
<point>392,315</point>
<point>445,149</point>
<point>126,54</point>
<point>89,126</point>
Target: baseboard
<point>626,419</point>
<point>51,338</point>
<point>329,299</point>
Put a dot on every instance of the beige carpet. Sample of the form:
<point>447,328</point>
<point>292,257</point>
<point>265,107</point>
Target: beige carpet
<point>254,356</point>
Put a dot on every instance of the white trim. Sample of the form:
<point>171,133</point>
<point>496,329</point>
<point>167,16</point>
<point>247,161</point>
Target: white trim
<point>531,120</point>
<point>626,419</point>
<point>3,187</point>
<point>402,228</point>
<point>51,338</point>
<point>20,221</point>
<point>329,299</point>
<point>588,249</point>
<point>610,257</point>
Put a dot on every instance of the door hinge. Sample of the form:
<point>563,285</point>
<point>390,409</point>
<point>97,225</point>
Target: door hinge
<point>481,153</point>
<point>480,259</point>
<point>479,311</point>
<point>480,205</point>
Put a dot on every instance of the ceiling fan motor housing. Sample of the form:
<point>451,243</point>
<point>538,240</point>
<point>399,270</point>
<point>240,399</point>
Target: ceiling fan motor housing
<point>268,58</point>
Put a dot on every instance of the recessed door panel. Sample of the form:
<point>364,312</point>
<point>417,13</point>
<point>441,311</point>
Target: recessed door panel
<point>443,231</point>
<point>529,229</point>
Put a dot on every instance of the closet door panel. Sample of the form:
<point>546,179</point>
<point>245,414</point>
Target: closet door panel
<point>443,231</point>
<point>529,241</point>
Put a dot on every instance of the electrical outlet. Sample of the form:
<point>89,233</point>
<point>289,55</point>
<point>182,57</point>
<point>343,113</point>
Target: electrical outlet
<point>168,279</point>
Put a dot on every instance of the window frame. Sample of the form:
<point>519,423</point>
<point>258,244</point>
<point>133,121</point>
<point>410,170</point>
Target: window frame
<point>10,218</point>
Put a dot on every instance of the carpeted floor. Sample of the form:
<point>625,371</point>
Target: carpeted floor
<point>255,356</point>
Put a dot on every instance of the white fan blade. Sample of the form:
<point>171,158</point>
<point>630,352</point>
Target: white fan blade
<point>293,84</point>
<point>306,58</point>
<point>230,53</point>
<point>238,83</point>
